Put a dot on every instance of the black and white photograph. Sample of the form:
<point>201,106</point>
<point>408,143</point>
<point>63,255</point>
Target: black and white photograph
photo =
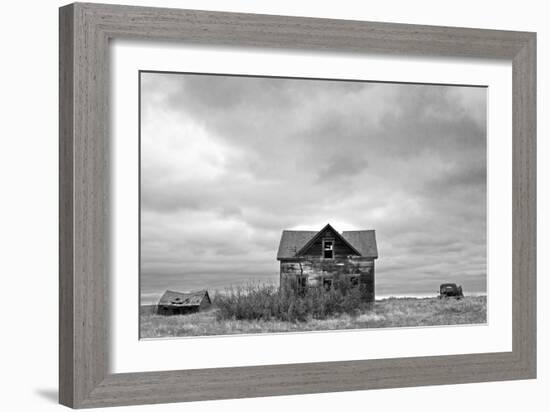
<point>276,205</point>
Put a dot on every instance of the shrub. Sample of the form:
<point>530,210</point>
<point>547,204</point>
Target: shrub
<point>268,302</point>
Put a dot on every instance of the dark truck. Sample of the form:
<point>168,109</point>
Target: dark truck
<point>450,290</point>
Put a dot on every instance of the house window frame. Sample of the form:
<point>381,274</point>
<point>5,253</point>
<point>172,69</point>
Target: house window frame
<point>323,250</point>
<point>330,282</point>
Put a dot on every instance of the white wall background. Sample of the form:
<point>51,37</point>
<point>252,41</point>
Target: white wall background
<point>28,210</point>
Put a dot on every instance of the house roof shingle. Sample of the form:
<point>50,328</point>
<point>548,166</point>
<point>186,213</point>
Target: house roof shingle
<point>172,298</point>
<point>364,241</point>
<point>293,241</point>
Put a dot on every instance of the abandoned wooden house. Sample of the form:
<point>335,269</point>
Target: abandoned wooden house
<point>177,303</point>
<point>318,259</point>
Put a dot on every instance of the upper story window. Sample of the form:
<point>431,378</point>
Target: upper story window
<point>328,249</point>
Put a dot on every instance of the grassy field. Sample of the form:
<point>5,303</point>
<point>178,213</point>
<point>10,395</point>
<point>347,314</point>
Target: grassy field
<point>391,312</point>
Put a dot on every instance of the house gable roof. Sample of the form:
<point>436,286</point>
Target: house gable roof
<point>364,241</point>
<point>320,233</point>
<point>292,241</point>
<point>172,298</point>
<point>295,241</point>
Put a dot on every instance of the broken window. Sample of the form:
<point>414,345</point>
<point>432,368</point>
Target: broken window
<point>328,249</point>
<point>327,283</point>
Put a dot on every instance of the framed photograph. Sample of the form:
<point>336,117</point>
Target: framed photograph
<point>258,205</point>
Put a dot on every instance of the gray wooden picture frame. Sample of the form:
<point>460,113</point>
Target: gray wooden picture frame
<point>85,31</point>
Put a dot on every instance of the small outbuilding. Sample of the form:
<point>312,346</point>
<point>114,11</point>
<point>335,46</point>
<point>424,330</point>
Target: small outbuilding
<point>179,303</point>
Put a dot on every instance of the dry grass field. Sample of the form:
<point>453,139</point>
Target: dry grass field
<point>391,312</point>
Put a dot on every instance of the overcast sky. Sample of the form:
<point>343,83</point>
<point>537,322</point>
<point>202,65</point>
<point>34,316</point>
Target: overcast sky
<point>227,163</point>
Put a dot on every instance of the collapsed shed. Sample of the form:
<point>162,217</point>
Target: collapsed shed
<point>180,303</point>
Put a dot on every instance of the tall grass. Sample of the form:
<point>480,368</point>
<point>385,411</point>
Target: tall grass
<point>268,302</point>
<point>390,312</point>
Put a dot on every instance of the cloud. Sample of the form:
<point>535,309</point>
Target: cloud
<point>342,165</point>
<point>229,162</point>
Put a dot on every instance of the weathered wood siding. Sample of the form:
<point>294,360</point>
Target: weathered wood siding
<point>340,248</point>
<point>317,269</point>
<point>168,310</point>
<point>205,303</point>
<point>182,310</point>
